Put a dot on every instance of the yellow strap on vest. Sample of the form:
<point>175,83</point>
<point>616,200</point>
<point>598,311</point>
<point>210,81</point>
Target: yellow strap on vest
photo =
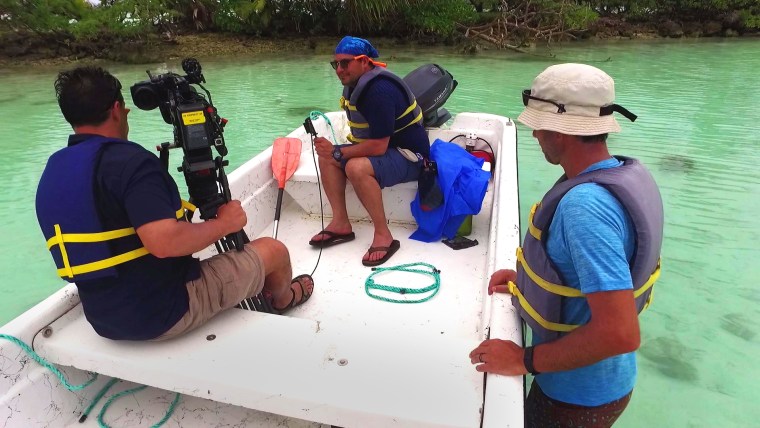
<point>570,327</point>
<point>550,288</point>
<point>360,125</point>
<point>416,119</point>
<point>553,326</point>
<point>534,231</point>
<point>409,110</point>
<point>354,140</point>
<point>59,238</point>
<point>66,266</point>
<point>346,104</point>
<point>647,285</point>
<point>101,264</point>
<point>185,205</point>
<point>546,285</point>
<point>69,271</point>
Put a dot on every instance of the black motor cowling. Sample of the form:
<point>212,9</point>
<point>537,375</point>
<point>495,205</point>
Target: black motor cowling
<point>432,86</point>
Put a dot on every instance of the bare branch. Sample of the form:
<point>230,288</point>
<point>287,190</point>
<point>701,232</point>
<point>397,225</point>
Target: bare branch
<point>522,22</point>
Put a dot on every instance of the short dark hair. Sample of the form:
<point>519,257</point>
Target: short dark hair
<point>601,138</point>
<point>86,94</point>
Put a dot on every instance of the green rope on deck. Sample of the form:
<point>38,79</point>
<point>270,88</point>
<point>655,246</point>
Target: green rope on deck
<point>314,115</point>
<point>44,363</point>
<point>169,412</point>
<point>370,284</point>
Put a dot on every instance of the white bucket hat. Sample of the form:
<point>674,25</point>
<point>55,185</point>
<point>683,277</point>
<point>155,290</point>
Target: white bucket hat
<point>573,99</point>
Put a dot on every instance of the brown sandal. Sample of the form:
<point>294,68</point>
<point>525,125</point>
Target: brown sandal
<point>304,295</point>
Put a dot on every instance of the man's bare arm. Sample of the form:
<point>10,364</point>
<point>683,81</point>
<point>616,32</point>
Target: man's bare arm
<point>369,147</point>
<point>612,330</point>
<point>172,238</point>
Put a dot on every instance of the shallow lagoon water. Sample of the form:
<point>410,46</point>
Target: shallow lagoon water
<point>698,131</point>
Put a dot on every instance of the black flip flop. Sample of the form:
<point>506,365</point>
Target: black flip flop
<point>389,251</point>
<point>333,239</point>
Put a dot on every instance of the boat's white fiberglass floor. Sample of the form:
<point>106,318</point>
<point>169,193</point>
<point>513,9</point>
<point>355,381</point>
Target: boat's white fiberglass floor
<point>342,358</point>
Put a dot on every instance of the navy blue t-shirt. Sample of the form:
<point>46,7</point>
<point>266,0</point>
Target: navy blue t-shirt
<point>148,296</point>
<point>381,102</point>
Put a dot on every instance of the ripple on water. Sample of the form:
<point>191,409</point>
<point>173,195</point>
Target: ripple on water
<point>672,358</point>
<point>737,324</point>
<point>750,294</point>
<point>678,163</point>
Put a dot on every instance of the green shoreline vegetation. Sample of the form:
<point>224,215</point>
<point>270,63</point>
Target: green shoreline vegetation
<point>60,31</point>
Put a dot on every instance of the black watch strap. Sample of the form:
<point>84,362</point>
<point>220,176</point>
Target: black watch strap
<point>337,154</point>
<point>528,361</point>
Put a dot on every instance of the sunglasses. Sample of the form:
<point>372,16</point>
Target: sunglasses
<point>343,63</point>
<point>603,111</point>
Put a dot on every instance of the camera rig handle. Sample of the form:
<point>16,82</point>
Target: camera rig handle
<point>308,125</point>
<point>239,238</point>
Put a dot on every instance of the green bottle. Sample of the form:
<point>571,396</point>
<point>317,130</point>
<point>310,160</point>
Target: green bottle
<point>466,228</point>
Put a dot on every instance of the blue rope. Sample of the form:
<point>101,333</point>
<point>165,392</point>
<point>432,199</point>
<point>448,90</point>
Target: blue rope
<point>370,284</point>
<point>36,357</point>
<point>314,115</point>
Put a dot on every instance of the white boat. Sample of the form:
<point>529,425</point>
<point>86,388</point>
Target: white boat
<point>342,359</point>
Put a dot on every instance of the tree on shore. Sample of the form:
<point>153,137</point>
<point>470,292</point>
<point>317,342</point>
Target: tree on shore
<point>77,27</point>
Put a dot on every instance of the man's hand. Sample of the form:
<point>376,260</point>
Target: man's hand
<point>497,356</point>
<point>499,280</point>
<point>231,216</point>
<point>323,147</point>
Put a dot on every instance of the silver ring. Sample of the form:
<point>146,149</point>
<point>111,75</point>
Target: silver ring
<point>480,358</point>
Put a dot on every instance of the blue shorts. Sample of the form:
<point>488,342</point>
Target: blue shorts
<point>391,168</point>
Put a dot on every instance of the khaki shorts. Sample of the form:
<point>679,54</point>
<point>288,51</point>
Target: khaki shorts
<point>225,280</point>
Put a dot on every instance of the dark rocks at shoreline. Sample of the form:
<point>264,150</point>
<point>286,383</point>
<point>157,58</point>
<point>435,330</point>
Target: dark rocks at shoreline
<point>670,29</point>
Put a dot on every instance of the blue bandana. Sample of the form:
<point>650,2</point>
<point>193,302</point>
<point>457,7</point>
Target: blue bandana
<point>355,46</point>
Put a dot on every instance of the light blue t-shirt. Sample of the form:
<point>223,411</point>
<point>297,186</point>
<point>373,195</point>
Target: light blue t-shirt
<point>591,241</point>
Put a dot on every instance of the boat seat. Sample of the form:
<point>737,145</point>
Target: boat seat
<point>327,372</point>
<point>303,185</point>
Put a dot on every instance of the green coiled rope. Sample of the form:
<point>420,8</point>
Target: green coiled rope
<point>44,363</point>
<point>431,270</point>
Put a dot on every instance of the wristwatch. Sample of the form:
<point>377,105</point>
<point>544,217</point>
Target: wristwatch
<point>337,154</point>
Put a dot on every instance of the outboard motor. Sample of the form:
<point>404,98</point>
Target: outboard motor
<point>432,86</point>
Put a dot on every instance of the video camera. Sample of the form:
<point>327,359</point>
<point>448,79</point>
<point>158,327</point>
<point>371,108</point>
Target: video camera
<point>197,128</point>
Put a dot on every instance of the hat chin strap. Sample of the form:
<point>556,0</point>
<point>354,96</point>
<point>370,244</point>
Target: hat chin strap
<point>608,110</point>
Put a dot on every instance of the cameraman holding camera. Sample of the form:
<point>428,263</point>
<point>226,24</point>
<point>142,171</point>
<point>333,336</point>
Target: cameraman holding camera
<point>111,215</point>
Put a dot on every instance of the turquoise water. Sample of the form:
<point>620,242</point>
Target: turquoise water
<point>698,131</point>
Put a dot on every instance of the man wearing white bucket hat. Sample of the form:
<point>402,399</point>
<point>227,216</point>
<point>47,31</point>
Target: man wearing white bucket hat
<point>588,261</point>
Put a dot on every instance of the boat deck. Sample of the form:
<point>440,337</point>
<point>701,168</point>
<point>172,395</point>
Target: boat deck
<point>343,358</point>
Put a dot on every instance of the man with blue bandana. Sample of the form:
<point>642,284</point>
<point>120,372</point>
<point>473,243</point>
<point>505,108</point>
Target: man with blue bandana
<point>384,117</point>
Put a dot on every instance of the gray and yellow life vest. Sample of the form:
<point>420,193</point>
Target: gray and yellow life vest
<point>66,206</point>
<point>358,123</point>
<point>539,291</point>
